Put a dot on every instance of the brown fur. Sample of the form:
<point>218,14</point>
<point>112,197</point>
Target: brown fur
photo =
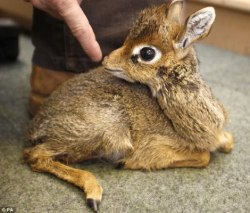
<point>97,115</point>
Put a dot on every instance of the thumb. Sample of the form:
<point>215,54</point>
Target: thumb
<point>81,29</point>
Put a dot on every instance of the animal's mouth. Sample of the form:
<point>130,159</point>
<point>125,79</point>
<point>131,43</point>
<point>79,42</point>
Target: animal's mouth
<point>119,73</point>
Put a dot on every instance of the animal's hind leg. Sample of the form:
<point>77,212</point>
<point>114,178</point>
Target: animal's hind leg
<point>40,159</point>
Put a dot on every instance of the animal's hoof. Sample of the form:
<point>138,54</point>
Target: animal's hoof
<point>93,204</point>
<point>120,165</point>
<point>229,144</point>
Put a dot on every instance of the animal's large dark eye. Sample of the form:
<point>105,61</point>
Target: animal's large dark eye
<point>147,53</point>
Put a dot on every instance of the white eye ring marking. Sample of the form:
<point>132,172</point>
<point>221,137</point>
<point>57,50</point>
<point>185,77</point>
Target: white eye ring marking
<point>137,49</point>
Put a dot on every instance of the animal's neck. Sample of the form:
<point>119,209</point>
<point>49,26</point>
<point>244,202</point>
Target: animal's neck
<point>174,79</point>
<point>196,115</point>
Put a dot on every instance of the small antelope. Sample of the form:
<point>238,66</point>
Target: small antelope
<point>146,108</point>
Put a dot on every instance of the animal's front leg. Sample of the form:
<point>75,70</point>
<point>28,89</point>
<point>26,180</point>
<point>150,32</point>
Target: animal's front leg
<point>226,139</point>
<point>157,155</point>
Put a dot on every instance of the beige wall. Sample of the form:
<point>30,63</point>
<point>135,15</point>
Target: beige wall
<point>231,29</point>
<point>243,5</point>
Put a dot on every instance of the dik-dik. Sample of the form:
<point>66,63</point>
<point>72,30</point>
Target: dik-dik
<point>147,108</point>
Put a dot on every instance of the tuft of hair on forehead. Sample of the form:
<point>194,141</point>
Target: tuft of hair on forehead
<point>148,21</point>
<point>152,25</point>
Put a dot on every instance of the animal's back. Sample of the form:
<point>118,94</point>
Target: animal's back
<point>94,104</point>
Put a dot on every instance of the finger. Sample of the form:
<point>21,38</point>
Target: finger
<point>81,29</point>
<point>46,7</point>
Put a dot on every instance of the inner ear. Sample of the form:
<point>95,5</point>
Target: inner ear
<point>174,11</point>
<point>197,27</point>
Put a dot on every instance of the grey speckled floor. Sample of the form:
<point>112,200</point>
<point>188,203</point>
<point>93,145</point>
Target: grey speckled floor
<point>222,187</point>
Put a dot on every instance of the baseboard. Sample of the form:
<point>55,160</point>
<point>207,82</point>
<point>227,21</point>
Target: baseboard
<point>18,10</point>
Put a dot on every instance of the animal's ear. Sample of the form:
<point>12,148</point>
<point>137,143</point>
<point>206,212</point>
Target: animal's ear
<point>197,27</point>
<point>174,11</point>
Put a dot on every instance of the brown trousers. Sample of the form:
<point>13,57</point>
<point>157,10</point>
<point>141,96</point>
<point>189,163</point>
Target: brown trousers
<point>57,49</point>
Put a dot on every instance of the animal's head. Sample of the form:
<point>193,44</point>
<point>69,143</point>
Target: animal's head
<point>159,40</point>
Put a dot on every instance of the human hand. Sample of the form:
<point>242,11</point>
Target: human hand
<point>71,12</point>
